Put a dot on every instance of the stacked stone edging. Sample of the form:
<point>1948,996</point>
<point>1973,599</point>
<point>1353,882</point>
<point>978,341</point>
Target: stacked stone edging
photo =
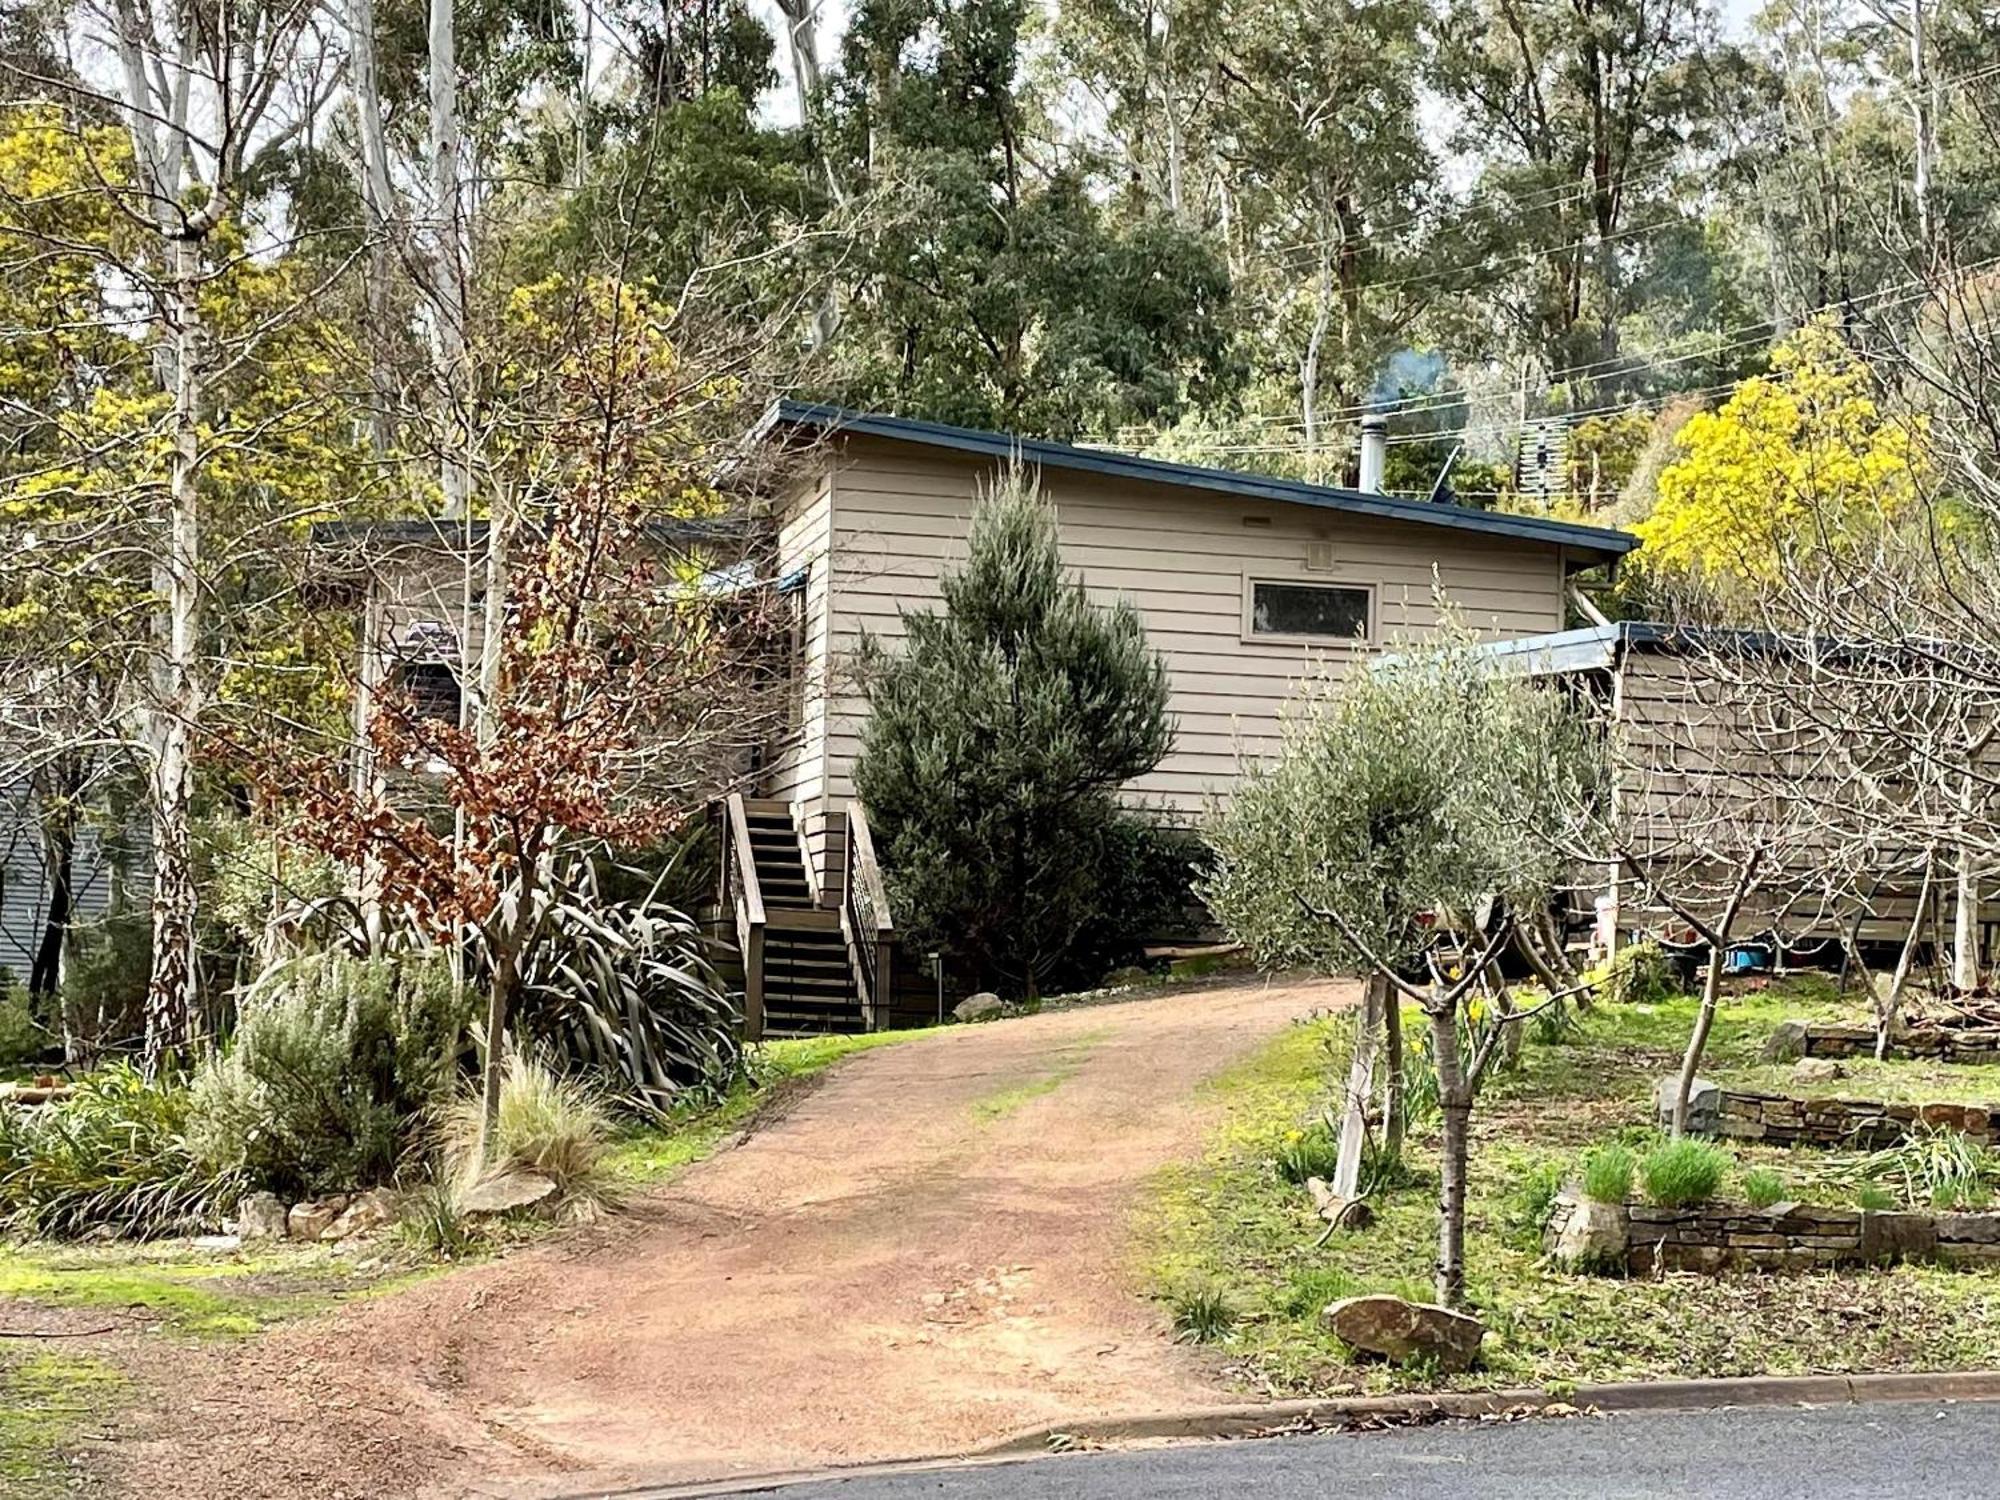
<point>1948,1044</point>
<point>1834,1124</point>
<point>1639,1238</point>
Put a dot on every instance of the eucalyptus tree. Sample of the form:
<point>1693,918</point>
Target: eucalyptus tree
<point>985,283</point>
<point>1582,116</point>
<point>211,99</point>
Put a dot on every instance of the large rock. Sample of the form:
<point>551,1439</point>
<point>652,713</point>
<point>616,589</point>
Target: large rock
<point>261,1217</point>
<point>373,1210</point>
<point>1592,1234</point>
<point>1704,1103</point>
<point>1402,1331</point>
<point>1817,1070</point>
<point>984,1006</point>
<point>508,1193</point>
<point>311,1220</point>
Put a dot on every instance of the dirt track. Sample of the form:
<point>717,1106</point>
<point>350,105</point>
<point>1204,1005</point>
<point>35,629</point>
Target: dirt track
<point>925,1253</point>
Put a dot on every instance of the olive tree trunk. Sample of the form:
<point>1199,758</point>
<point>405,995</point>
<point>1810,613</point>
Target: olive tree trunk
<point>1455,1103</point>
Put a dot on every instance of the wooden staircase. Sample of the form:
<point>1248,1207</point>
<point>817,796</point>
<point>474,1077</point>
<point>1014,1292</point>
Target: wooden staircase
<point>798,973</point>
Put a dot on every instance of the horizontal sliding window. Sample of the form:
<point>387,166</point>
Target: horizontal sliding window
<point>1328,611</point>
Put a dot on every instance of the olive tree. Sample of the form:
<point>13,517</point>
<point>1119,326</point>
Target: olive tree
<point>1416,813</point>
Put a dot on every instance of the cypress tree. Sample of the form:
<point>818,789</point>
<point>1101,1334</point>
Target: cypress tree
<point>996,741</point>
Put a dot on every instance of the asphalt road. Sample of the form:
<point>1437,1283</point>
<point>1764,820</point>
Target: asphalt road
<point>1882,1452</point>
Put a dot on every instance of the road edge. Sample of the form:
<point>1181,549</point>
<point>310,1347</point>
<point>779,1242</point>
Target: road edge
<point>1271,1418</point>
<point>1253,1418</point>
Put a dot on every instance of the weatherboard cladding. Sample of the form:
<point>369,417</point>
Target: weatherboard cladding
<point>883,519</point>
<point>1591,544</point>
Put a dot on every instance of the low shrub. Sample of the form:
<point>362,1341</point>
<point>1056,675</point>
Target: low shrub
<point>115,1156</point>
<point>1607,1174</point>
<point>21,1040</point>
<point>1202,1315</point>
<point>1552,1026</point>
<point>1312,1152</point>
<point>1534,1194</point>
<point>338,1064</point>
<point>548,1124</point>
<point>1762,1187</point>
<point>1684,1172</point>
<point>1638,974</point>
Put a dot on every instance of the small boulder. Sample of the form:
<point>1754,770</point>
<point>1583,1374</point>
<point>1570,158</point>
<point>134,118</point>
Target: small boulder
<point>1590,1234</point>
<point>509,1192</point>
<point>984,1006</point>
<point>1817,1070</point>
<point>1341,1213</point>
<point>1704,1103</point>
<point>311,1220</point>
<point>261,1216</point>
<point>1401,1330</point>
<point>1786,1042</point>
<point>373,1210</point>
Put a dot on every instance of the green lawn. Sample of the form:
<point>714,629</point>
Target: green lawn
<point>1232,1226</point>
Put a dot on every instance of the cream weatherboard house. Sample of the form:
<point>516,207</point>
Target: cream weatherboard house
<point>1246,584</point>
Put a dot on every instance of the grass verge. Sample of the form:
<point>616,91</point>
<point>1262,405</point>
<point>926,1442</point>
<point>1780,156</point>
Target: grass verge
<point>48,1400</point>
<point>1230,1226</point>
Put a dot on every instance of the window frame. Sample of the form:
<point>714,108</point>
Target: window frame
<point>1255,637</point>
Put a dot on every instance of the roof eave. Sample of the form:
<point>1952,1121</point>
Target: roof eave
<point>1600,545</point>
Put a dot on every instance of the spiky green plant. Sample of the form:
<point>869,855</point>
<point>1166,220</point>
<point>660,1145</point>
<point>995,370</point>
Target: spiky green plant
<point>1680,1173</point>
<point>1607,1173</point>
<point>549,1124</point>
<point>113,1156</point>
<point>1763,1187</point>
<point>1936,1165</point>
<point>1202,1315</point>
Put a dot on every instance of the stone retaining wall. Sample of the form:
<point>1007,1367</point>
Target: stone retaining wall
<point>1638,1238</point>
<point>1834,1124</point>
<point>1794,1039</point>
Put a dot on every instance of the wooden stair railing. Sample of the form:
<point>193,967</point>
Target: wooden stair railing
<point>741,892</point>
<point>865,921</point>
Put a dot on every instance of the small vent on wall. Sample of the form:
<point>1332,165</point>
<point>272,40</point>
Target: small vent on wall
<point>1319,557</point>
<point>1256,520</point>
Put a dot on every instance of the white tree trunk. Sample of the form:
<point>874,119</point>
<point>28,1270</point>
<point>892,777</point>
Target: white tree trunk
<point>1922,128</point>
<point>378,196</point>
<point>176,695</point>
<point>448,261</point>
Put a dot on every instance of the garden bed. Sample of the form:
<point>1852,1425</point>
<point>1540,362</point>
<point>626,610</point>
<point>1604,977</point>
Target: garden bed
<point>1969,1045</point>
<point>1641,1239</point>
<point>1234,1249</point>
<point>1826,1123</point>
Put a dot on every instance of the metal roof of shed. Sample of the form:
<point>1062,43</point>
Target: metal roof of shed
<point>1597,544</point>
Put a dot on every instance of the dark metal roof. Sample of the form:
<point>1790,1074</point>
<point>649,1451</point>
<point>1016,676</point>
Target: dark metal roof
<point>1595,542</point>
<point>1600,647</point>
<point>434,534</point>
